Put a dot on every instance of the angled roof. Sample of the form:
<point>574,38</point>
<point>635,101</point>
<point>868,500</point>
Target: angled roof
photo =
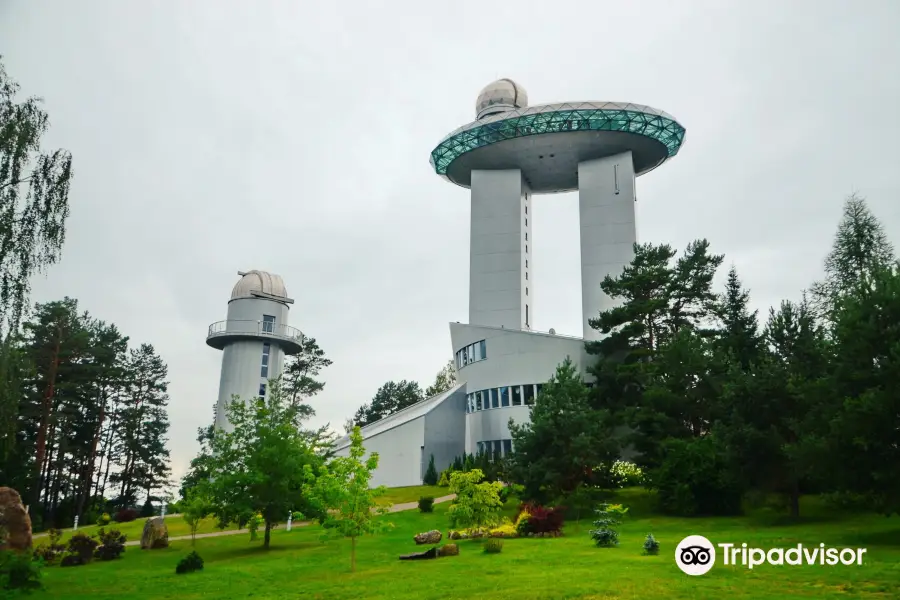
<point>399,418</point>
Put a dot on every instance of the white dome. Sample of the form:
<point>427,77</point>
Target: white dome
<point>500,96</point>
<point>259,281</point>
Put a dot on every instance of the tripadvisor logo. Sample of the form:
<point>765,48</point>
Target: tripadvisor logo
<point>696,555</point>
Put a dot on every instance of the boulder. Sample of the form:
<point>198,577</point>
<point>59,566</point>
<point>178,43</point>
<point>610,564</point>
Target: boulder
<point>14,520</point>
<point>448,550</point>
<point>433,553</point>
<point>155,535</point>
<point>429,537</point>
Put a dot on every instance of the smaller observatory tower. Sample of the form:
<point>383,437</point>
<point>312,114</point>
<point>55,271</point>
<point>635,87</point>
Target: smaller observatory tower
<point>254,339</point>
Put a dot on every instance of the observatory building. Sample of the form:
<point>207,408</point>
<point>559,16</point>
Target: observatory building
<point>509,154</point>
<point>254,338</point>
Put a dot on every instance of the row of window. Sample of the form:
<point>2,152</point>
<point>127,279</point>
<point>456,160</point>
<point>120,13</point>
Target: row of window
<point>513,395</point>
<point>496,448</point>
<point>471,353</point>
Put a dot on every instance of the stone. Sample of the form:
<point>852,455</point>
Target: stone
<point>15,521</point>
<point>448,550</point>
<point>155,535</point>
<point>429,537</point>
<point>433,553</point>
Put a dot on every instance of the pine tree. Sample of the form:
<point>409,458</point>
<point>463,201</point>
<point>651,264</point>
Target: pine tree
<point>740,327</point>
<point>301,371</point>
<point>431,474</point>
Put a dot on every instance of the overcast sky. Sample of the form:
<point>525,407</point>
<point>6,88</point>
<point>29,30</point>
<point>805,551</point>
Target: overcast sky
<point>216,136</point>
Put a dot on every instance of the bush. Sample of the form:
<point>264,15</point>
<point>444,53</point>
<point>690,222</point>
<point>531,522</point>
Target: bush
<point>71,559</point>
<point>444,481</point>
<point>540,520</point>
<point>83,546</point>
<point>191,562</point>
<point>147,509</point>
<point>493,545</point>
<point>651,546</point>
<point>609,515</point>
<point>50,552</point>
<point>626,474</point>
<point>104,520</point>
<point>431,475</point>
<point>112,544</point>
<point>19,572</point>
<point>126,515</point>
<point>506,530</point>
<point>426,504</point>
<point>696,479</point>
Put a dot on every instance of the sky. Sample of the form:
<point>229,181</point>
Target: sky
<point>214,136</point>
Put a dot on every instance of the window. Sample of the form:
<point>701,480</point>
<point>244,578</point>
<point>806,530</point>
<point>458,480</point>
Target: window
<point>268,324</point>
<point>537,392</point>
<point>465,355</point>
<point>504,396</point>
<point>478,401</point>
<point>480,447</point>
<point>471,353</point>
<point>529,394</point>
<point>483,345</point>
<point>495,403</point>
<point>477,351</point>
<point>526,209</point>
<point>526,291</point>
<point>526,248</point>
<point>497,450</point>
<point>517,396</point>
<point>264,369</point>
<point>494,396</point>
<point>262,390</point>
<point>507,447</point>
<point>526,263</point>
<point>526,220</point>
<point>506,400</point>
<point>526,275</point>
<point>526,307</point>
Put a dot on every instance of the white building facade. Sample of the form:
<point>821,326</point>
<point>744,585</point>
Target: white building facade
<point>508,155</point>
<point>254,339</point>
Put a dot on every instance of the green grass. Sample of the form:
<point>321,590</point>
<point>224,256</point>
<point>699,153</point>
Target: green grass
<point>300,566</point>
<point>412,493</point>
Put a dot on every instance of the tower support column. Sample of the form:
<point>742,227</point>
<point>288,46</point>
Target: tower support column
<point>500,249</point>
<point>606,198</point>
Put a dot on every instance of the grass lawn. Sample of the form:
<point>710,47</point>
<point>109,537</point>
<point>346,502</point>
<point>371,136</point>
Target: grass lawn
<point>412,493</point>
<point>300,566</point>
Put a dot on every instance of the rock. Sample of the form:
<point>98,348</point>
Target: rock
<point>448,550</point>
<point>429,537</point>
<point>14,520</point>
<point>156,534</point>
<point>455,535</point>
<point>433,553</point>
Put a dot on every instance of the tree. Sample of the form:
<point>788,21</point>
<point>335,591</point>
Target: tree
<point>390,398</point>
<point>477,504</point>
<point>859,251</point>
<point>195,509</point>
<point>548,464</point>
<point>301,370</point>
<point>445,379</point>
<point>259,467</point>
<point>431,474</point>
<point>740,327</point>
<point>34,204</point>
<point>342,492</point>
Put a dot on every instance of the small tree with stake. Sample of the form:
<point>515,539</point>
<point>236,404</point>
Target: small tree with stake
<point>342,492</point>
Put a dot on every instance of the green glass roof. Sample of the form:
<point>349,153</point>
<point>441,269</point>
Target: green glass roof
<point>539,120</point>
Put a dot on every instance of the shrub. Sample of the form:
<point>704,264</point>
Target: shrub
<point>50,552</point>
<point>112,544</point>
<point>426,504</point>
<point>444,481</point>
<point>104,520</point>
<point>493,545</point>
<point>253,525</point>
<point>431,475</point>
<point>651,546</point>
<point>626,474</point>
<point>126,515</point>
<point>191,562</point>
<point>71,559</point>
<point>84,546</point>
<point>609,515</point>
<point>695,478</point>
<point>19,572</point>
<point>505,530</point>
<point>540,520</point>
<point>477,505</point>
<point>147,509</point>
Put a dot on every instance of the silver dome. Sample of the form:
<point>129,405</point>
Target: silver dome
<point>258,281</point>
<point>500,96</point>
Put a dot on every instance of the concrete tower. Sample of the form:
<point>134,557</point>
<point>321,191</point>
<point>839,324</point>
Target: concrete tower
<point>513,151</point>
<point>254,338</point>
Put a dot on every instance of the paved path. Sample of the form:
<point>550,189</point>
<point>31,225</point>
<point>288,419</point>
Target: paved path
<point>394,508</point>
